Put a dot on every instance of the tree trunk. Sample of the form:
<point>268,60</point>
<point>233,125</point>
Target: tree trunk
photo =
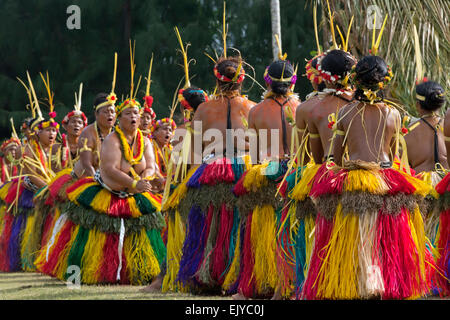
<point>276,25</point>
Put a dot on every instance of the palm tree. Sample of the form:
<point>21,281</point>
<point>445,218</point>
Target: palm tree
<point>276,25</point>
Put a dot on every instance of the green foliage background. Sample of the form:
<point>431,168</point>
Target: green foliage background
<point>34,37</point>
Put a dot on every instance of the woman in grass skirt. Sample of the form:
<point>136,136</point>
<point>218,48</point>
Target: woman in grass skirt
<point>369,236</point>
<point>110,228</point>
<point>264,259</point>
<point>212,233</point>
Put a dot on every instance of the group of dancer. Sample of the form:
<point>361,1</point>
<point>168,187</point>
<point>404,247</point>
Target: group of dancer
<point>343,203</point>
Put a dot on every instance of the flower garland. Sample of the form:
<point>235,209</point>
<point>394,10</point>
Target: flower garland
<point>183,100</point>
<point>160,156</point>
<point>334,78</point>
<point>49,123</point>
<point>162,122</point>
<point>129,103</point>
<point>312,74</point>
<point>9,142</point>
<point>43,157</point>
<point>238,78</point>
<point>148,102</point>
<point>127,149</point>
<point>75,113</point>
<point>371,93</point>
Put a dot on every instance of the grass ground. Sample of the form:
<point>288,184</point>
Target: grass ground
<point>36,286</point>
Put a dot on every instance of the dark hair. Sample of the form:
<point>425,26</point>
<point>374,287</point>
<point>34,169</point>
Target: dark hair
<point>100,98</point>
<point>194,96</point>
<point>34,122</point>
<point>321,86</point>
<point>277,70</point>
<point>337,62</point>
<point>433,94</point>
<point>369,72</point>
<point>228,67</point>
<point>28,121</point>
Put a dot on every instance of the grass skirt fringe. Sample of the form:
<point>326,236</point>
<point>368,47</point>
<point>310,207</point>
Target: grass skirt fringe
<point>297,225</point>
<point>110,239</point>
<point>16,226</point>
<point>369,236</point>
<point>266,259</point>
<point>212,220</point>
<point>48,201</point>
<point>429,206</point>
<point>176,232</point>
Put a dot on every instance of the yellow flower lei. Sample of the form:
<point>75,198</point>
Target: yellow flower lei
<point>127,150</point>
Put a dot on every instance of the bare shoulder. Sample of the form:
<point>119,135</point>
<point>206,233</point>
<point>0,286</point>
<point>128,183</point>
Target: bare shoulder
<point>257,108</point>
<point>147,142</point>
<point>393,112</point>
<point>245,104</point>
<point>198,115</point>
<point>250,104</point>
<point>87,133</point>
<point>346,109</point>
<point>111,140</point>
<point>306,105</point>
<point>447,115</point>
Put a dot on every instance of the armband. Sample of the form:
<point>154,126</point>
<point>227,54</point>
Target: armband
<point>85,147</point>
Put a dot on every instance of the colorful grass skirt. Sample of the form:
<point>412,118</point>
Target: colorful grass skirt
<point>369,234</point>
<point>176,233</point>
<point>16,206</point>
<point>110,239</point>
<point>212,225</point>
<point>265,252</point>
<point>299,224</point>
<point>442,240</point>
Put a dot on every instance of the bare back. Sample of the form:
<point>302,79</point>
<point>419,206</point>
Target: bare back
<point>370,131</point>
<point>213,115</point>
<point>315,114</point>
<point>421,155</point>
<point>266,115</point>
